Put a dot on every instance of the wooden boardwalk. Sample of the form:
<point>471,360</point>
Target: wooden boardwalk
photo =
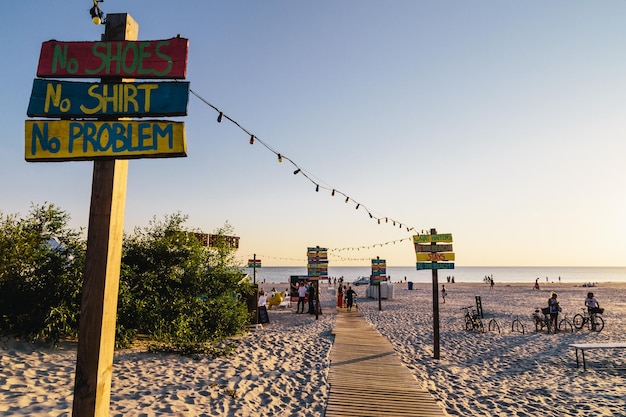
<point>367,377</point>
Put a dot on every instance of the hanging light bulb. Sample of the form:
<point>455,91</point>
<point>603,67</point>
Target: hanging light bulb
<point>371,217</point>
<point>317,188</point>
<point>386,220</point>
<point>378,221</point>
<point>219,117</point>
<point>96,14</point>
<point>280,158</point>
<point>333,193</point>
<point>357,206</point>
<point>347,199</point>
<point>296,171</point>
<point>251,139</point>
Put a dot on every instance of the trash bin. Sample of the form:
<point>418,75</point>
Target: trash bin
<point>410,285</point>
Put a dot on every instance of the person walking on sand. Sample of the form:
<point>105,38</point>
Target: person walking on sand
<point>443,293</point>
<point>350,294</point>
<point>553,305</point>
<point>301,297</point>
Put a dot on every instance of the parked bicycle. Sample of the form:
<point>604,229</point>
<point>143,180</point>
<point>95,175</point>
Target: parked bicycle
<point>541,318</point>
<point>592,318</point>
<point>472,320</point>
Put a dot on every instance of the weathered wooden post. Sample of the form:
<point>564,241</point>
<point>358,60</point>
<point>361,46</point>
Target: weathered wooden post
<point>435,282</point>
<point>430,255</point>
<point>109,141</point>
<point>96,341</point>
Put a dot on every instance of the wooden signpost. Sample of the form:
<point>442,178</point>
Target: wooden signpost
<point>379,273</point>
<point>434,259</point>
<point>317,269</point>
<point>109,142</point>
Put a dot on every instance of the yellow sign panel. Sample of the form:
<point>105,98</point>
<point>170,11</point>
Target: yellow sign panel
<point>446,237</point>
<point>66,140</point>
<point>435,257</point>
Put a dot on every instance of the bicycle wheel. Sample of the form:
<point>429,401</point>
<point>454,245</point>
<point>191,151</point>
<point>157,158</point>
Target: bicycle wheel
<point>494,326</point>
<point>566,326</point>
<point>468,323</point>
<point>579,321</point>
<point>599,324</point>
<point>479,325</point>
<point>517,326</point>
<point>549,327</point>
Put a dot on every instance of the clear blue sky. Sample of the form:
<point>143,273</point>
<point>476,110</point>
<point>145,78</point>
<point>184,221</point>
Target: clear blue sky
<point>502,123</point>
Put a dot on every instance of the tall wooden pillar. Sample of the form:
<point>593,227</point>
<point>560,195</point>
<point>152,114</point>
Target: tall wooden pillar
<point>96,341</point>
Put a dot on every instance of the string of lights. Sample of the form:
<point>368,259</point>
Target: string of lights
<point>300,171</point>
<point>334,255</point>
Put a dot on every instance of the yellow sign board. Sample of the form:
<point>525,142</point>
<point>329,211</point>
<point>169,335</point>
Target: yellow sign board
<point>66,140</point>
<point>435,257</point>
<point>446,237</point>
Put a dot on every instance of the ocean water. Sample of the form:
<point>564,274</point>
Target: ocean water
<point>280,274</point>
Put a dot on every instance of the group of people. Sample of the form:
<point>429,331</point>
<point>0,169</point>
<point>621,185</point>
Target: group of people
<point>345,295</point>
<point>305,289</point>
<point>591,302</point>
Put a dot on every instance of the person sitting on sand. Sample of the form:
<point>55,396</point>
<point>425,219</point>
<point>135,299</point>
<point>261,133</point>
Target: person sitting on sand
<point>536,284</point>
<point>553,304</point>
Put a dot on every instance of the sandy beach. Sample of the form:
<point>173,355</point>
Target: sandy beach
<point>281,368</point>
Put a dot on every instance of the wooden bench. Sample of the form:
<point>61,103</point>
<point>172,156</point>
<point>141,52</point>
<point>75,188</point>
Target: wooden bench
<point>585,346</point>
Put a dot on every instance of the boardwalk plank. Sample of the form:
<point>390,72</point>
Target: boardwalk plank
<point>367,378</point>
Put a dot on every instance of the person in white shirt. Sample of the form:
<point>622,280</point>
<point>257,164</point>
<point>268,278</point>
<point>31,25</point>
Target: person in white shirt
<point>591,302</point>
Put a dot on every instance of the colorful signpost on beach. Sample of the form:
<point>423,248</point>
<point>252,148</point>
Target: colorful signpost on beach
<point>430,255</point>
<point>434,256</point>
<point>317,263</point>
<point>379,271</point>
<point>88,127</point>
<point>78,136</point>
<point>317,269</point>
<point>254,263</point>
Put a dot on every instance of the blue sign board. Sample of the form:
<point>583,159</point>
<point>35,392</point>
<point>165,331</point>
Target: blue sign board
<point>60,99</point>
<point>435,265</point>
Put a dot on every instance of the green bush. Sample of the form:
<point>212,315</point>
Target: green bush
<point>41,266</point>
<point>180,293</point>
<point>183,296</point>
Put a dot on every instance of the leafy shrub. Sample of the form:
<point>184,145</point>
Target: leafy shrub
<point>180,293</point>
<point>41,265</point>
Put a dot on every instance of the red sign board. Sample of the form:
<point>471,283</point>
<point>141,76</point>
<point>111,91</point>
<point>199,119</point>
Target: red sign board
<point>129,59</point>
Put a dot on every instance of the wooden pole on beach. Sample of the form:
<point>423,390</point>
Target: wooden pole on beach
<point>435,306</point>
<point>96,342</point>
